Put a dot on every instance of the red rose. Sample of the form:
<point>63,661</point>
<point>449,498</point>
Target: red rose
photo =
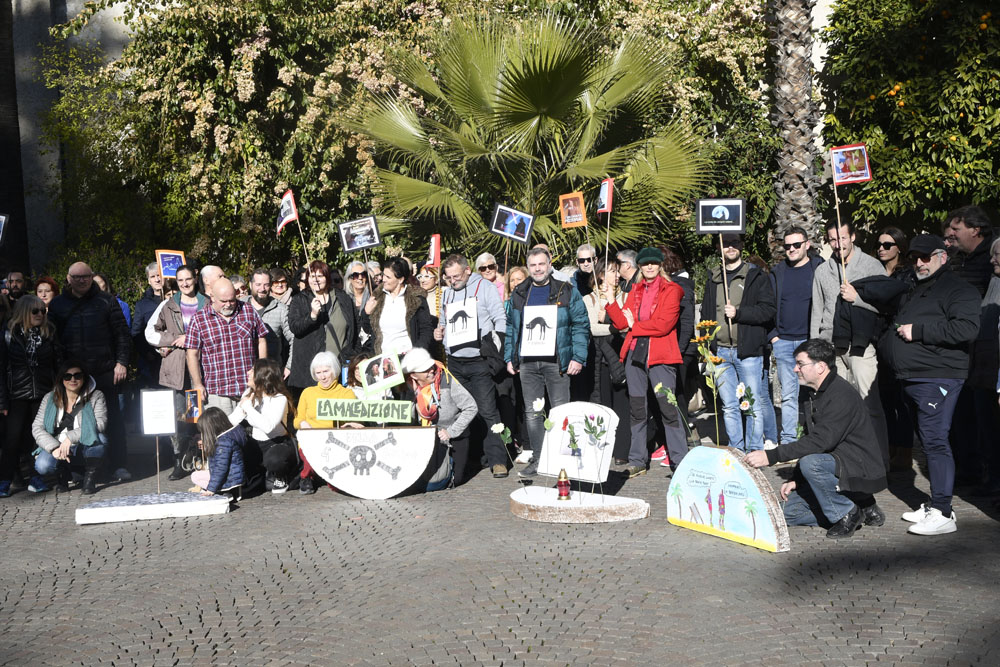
<point>565,423</point>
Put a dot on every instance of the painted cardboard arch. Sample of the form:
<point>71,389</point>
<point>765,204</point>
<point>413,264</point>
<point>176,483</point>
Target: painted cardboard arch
<point>714,491</point>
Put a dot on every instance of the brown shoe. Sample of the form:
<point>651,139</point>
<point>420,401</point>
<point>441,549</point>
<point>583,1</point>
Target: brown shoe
<point>499,471</point>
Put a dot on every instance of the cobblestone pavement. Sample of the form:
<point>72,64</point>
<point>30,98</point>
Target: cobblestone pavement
<point>453,578</point>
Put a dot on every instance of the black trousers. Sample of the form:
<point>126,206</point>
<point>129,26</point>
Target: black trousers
<point>18,438</point>
<point>473,373</point>
<point>115,430</point>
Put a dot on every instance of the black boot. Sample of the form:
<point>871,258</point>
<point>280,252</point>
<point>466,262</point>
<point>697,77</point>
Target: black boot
<point>90,478</point>
<point>63,476</point>
<point>846,526</point>
<point>874,516</point>
<point>178,472</point>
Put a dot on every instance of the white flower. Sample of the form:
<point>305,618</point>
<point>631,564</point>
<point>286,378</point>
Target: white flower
<point>538,404</point>
<point>745,405</point>
<point>658,388</point>
<point>498,428</point>
<point>741,389</point>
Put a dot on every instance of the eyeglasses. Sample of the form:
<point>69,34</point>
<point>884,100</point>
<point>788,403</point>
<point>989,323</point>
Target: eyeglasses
<point>69,377</point>
<point>796,245</point>
<point>886,245</point>
<point>808,363</point>
<point>487,267</point>
<point>38,311</point>
<point>356,275</point>
<point>425,276</point>
<point>584,260</point>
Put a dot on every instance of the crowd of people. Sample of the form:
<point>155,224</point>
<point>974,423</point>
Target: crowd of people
<point>866,353</point>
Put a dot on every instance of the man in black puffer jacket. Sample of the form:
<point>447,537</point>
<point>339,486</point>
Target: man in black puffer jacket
<point>929,352</point>
<point>92,330</point>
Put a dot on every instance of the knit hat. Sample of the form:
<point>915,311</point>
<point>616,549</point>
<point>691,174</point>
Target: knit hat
<point>417,360</point>
<point>648,256</point>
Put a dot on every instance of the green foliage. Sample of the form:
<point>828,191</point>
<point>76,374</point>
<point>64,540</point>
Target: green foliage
<point>919,82</point>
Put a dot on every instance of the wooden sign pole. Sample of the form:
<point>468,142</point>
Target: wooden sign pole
<point>157,465</point>
<point>725,285</point>
<point>305,250</point>
<point>840,245</point>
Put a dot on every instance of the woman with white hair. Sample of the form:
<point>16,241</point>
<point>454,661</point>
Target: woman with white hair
<point>325,370</point>
<point>486,265</point>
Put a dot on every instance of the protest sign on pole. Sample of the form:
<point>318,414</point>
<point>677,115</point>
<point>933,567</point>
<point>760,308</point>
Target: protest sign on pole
<point>721,216</point>
<point>604,201</point>
<point>849,164</point>
<point>288,212</point>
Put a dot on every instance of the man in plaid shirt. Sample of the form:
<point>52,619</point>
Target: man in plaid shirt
<point>225,340</point>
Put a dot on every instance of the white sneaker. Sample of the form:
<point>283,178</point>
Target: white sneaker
<point>123,475</point>
<point>916,515</point>
<point>769,445</point>
<point>935,523</point>
<point>524,456</point>
<point>279,486</point>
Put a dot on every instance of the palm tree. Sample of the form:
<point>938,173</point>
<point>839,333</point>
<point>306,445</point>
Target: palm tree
<point>520,112</point>
<point>677,493</point>
<point>751,509</point>
<point>797,118</point>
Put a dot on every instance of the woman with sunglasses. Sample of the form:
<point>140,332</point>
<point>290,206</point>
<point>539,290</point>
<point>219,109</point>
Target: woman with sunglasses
<point>892,247</point>
<point>486,265</point>
<point>428,281</point>
<point>28,353</point>
<point>69,427</point>
<point>358,286</point>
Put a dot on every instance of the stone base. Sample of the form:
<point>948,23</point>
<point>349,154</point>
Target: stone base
<point>151,506</point>
<point>536,503</point>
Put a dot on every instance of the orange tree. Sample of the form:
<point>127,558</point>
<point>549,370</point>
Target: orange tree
<point>919,82</point>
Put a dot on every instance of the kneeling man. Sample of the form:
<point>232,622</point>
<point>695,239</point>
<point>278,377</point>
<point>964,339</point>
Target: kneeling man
<point>841,463</point>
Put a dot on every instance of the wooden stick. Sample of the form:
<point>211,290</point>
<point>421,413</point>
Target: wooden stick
<point>607,242</point>
<point>157,465</point>
<point>840,245</point>
<point>305,251</point>
<point>506,257</point>
<point>725,286</point>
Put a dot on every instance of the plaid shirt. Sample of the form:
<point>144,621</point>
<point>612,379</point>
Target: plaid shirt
<point>228,349</point>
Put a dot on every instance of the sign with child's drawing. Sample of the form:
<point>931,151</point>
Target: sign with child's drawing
<point>370,463</point>
<point>714,491</point>
<point>580,440</point>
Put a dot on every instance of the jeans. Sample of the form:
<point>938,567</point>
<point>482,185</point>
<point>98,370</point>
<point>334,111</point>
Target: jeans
<point>933,402</point>
<point>473,373</point>
<point>537,377</point>
<point>818,496</point>
<point>767,406</point>
<point>46,464</point>
<point>640,380</point>
<point>784,355</point>
<point>731,372</point>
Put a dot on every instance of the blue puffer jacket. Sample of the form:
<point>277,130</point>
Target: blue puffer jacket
<point>572,324</point>
<point>225,467</point>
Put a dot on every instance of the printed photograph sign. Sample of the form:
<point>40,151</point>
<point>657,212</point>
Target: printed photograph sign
<point>850,164</point>
<point>717,216</point>
<point>170,261</point>
<point>381,373</point>
<point>511,223</point>
<point>606,195</point>
<point>571,210</point>
<point>359,234</point>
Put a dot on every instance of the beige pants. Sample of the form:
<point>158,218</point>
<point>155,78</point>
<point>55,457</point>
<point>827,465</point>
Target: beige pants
<point>862,373</point>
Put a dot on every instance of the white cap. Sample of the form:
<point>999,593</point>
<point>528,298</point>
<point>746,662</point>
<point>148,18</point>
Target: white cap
<point>417,360</point>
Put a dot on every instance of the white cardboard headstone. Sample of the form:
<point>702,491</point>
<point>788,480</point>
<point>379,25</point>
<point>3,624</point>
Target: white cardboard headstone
<point>592,458</point>
<point>371,463</point>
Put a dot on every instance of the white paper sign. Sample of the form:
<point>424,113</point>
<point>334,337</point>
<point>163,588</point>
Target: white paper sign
<point>581,441</point>
<point>461,323</point>
<point>538,331</point>
<point>158,416</point>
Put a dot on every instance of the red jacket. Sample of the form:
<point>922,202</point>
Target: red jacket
<point>660,327</point>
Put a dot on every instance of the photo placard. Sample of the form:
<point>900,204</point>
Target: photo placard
<point>718,216</point>
<point>571,210</point>
<point>359,234</point>
<point>170,261</point>
<point>192,406</point>
<point>3,225</point>
<point>512,224</point>
<point>157,410</point>
<point>850,164</point>
<point>606,195</point>
<point>381,373</point>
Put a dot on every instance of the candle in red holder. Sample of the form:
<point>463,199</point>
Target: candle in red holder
<point>563,485</point>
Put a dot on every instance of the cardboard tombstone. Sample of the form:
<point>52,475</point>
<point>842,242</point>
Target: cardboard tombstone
<point>151,506</point>
<point>370,463</point>
<point>588,426</point>
<point>714,491</point>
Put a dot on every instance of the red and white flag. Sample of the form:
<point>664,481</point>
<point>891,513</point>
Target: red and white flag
<point>606,195</point>
<point>287,212</point>
<point>434,257</point>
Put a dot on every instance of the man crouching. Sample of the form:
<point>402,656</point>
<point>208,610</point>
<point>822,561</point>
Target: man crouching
<point>841,463</point>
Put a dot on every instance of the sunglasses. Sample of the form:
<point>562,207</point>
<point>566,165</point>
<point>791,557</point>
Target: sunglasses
<point>487,267</point>
<point>886,245</point>
<point>425,276</point>
<point>796,245</point>
<point>38,311</point>
<point>72,376</point>
<point>356,275</point>
<point>584,260</point>
<point>279,282</point>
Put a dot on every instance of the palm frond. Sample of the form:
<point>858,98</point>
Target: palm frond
<point>408,198</point>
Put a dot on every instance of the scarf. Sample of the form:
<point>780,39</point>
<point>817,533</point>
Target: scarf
<point>429,396</point>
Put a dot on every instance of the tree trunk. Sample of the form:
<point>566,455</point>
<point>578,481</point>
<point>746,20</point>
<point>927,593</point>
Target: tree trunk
<point>14,239</point>
<point>796,117</point>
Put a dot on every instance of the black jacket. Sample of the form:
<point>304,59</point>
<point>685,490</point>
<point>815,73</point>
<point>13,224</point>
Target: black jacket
<point>975,267</point>
<point>92,329</point>
<point>25,377</point>
<point>149,359</point>
<point>836,422</point>
<point>310,334</point>
<point>944,312</point>
<point>777,277</point>
<point>685,321</point>
<point>856,328</point>
<point>755,314</point>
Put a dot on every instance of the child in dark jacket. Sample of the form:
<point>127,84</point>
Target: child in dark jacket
<point>222,446</point>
